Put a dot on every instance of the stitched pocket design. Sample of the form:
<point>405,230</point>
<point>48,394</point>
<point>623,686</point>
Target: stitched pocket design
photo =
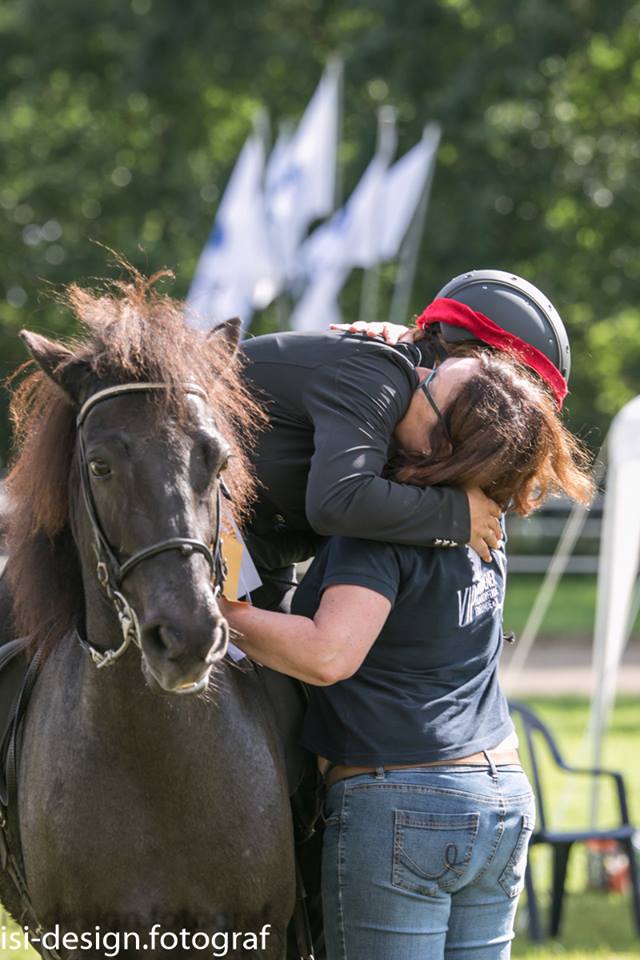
<point>431,851</point>
<point>512,877</point>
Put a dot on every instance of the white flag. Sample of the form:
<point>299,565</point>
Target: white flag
<point>351,237</point>
<point>374,220</point>
<point>404,185</point>
<point>318,306</point>
<point>236,270</point>
<point>301,177</point>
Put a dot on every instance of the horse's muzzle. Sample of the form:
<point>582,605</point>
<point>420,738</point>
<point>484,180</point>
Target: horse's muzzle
<point>181,661</point>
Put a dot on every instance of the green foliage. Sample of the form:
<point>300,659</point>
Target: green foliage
<point>121,121</point>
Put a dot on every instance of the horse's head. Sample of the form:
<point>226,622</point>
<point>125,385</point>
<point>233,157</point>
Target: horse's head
<point>144,509</point>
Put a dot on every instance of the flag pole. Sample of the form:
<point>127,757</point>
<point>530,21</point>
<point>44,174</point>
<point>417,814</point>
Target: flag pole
<point>385,148</point>
<point>335,65</point>
<point>411,248</point>
<point>261,126</point>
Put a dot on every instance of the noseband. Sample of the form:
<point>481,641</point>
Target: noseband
<point>109,571</point>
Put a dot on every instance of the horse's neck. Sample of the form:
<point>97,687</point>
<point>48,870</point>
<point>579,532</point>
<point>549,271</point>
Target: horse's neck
<point>191,737</point>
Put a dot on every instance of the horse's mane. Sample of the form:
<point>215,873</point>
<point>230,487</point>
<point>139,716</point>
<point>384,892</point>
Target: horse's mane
<point>130,331</point>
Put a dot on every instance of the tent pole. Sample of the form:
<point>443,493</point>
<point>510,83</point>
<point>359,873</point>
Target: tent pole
<point>555,571</point>
<point>617,575</point>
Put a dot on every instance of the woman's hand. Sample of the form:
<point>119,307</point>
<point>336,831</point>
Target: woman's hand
<point>230,609</point>
<point>391,333</point>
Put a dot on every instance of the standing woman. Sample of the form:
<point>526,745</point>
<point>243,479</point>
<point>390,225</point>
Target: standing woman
<point>428,812</point>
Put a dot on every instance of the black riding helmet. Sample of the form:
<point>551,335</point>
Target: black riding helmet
<point>516,306</point>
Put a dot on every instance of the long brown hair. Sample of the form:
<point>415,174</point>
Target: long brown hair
<point>130,331</point>
<point>506,438</point>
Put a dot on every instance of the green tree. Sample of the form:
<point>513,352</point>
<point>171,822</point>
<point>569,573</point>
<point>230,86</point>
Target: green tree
<point>120,123</point>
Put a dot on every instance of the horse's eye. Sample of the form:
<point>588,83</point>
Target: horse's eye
<point>99,468</point>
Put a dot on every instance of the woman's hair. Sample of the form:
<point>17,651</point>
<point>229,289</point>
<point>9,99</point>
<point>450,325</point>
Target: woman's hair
<point>506,438</point>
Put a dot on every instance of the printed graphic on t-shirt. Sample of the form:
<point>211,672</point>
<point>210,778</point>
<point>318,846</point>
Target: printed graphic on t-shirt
<point>485,594</point>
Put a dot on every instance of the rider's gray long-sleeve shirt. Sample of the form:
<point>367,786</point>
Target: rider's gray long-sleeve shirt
<point>333,402</point>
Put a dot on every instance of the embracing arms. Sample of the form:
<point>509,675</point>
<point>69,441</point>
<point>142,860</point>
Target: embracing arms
<point>355,408</point>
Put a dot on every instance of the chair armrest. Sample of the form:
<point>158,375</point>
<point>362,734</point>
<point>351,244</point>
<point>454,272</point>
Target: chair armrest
<point>615,775</point>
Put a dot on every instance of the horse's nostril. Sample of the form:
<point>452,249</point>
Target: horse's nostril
<point>162,640</point>
<point>220,642</point>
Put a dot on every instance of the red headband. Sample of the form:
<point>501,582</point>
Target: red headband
<point>459,314</point>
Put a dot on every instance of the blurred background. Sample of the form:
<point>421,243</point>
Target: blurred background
<point>121,124</point>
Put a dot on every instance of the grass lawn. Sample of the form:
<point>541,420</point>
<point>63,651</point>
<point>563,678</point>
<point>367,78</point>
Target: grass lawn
<point>596,926</point>
<point>572,610</point>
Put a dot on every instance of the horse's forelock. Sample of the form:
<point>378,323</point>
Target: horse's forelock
<point>135,332</point>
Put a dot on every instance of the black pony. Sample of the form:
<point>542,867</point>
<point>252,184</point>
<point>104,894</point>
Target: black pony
<point>141,810</point>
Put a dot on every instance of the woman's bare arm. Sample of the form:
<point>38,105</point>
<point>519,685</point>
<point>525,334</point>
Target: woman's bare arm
<point>321,651</point>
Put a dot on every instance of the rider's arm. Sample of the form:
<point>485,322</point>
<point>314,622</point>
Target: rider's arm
<point>355,407</point>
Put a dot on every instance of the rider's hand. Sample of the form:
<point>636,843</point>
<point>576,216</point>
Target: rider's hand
<point>391,333</point>
<point>486,532</point>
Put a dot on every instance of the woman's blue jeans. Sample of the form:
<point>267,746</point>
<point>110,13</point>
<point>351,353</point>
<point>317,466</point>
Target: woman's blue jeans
<point>425,864</point>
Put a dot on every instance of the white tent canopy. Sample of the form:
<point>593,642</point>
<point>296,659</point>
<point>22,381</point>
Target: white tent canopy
<point>618,566</point>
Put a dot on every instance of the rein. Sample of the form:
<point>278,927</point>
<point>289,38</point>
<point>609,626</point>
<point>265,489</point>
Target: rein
<point>110,572</point>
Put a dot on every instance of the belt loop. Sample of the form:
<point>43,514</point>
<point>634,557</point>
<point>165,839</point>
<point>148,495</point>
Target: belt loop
<point>379,773</point>
<point>493,770</point>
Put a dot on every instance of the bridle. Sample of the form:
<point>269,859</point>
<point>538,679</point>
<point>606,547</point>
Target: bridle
<point>109,571</point>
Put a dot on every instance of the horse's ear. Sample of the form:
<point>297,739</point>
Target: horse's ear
<point>228,332</point>
<point>59,364</point>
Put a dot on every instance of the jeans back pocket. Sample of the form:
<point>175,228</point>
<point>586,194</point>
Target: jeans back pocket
<point>431,851</point>
<point>512,877</point>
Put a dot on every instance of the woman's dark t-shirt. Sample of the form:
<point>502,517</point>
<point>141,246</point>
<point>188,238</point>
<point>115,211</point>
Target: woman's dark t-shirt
<point>428,688</point>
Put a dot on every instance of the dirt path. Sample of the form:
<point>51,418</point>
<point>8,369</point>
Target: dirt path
<point>555,667</point>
